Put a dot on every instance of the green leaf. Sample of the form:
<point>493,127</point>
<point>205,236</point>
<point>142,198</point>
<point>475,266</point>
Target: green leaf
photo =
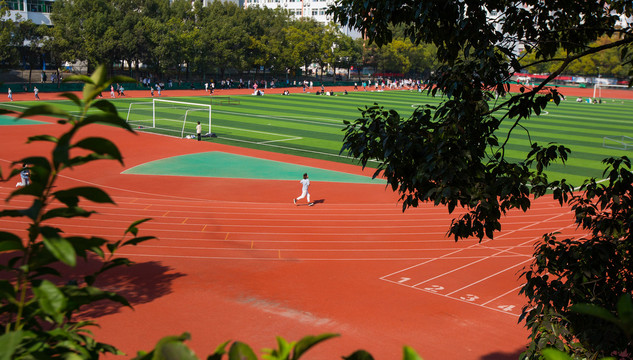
<point>51,300</point>
<point>72,97</point>
<point>359,355</point>
<point>69,212</point>
<point>219,351</point>
<point>48,110</point>
<point>49,138</point>
<point>106,106</point>
<point>169,348</point>
<point>107,119</point>
<point>174,350</point>
<point>70,197</point>
<point>62,249</point>
<point>133,229</point>
<point>100,146</point>
<point>82,244</point>
<point>308,342</point>
<point>555,354</point>
<point>595,310</point>
<point>138,240</point>
<point>241,351</point>
<point>9,343</point>
<point>10,241</point>
<point>410,354</point>
<point>80,78</point>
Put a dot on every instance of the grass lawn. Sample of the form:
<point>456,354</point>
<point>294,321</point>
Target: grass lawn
<point>310,125</point>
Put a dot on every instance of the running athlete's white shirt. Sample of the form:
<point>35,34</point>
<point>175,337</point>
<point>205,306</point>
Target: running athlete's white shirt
<point>305,183</point>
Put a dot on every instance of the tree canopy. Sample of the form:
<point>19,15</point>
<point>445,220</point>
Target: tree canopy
<point>450,154</point>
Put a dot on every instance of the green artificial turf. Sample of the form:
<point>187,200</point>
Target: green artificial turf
<point>310,125</point>
<point>224,165</point>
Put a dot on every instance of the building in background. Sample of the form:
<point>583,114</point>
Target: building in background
<point>314,9</point>
<point>38,11</point>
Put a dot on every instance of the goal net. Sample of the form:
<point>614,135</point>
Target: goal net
<point>170,117</point>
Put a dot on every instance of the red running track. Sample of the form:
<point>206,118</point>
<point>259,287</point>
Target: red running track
<point>236,260</point>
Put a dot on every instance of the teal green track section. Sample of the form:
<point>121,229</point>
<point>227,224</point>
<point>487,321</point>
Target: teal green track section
<point>8,120</point>
<point>219,164</point>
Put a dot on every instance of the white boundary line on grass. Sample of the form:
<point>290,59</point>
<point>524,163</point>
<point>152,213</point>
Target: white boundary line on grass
<point>261,132</point>
<point>336,122</point>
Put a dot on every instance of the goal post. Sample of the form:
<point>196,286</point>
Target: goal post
<point>141,114</point>
<point>170,117</point>
<point>193,112</point>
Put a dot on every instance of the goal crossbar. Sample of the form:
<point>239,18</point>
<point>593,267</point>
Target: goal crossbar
<point>189,107</point>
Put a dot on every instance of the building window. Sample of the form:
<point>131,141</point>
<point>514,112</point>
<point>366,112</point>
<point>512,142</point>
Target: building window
<point>15,5</point>
<point>39,5</point>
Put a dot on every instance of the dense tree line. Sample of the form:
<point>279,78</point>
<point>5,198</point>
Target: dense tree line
<point>186,39</point>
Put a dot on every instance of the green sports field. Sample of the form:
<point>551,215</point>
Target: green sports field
<point>310,125</point>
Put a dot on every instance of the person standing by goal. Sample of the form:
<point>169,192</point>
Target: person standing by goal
<point>305,184</point>
<point>199,131</point>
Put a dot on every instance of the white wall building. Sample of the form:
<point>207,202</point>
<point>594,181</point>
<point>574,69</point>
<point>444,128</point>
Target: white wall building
<point>314,9</point>
<point>38,11</point>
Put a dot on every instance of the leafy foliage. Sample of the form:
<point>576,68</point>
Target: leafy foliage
<point>37,303</point>
<point>597,271</point>
<point>174,348</point>
<point>450,154</point>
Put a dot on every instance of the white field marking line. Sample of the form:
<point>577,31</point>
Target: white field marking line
<point>223,221</point>
<point>514,253</point>
<point>457,299</point>
<point>338,122</point>
<point>437,213</point>
<point>290,249</point>
<point>244,232</point>
<point>273,214</point>
<point>148,131</point>
<point>261,241</point>
<point>241,226</point>
<point>488,257</point>
<point>253,131</point>
<point>15,106</point>
<point>572,117</point>
<point>152,195</point>
<point>459,250</point>
<point>145,228</point>
<point>489,276</point>
<point>275,211</point>
<point>274,257</point>
<point>597,182</point>
<point>502,295</point>
<point>281,208</point>
<point>271,141</point>
<point>297,149</point>
<point>460,300</point>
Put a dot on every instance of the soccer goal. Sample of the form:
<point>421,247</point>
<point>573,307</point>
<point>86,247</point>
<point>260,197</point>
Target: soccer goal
<point>175,118</point>
<point>597,89</point>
